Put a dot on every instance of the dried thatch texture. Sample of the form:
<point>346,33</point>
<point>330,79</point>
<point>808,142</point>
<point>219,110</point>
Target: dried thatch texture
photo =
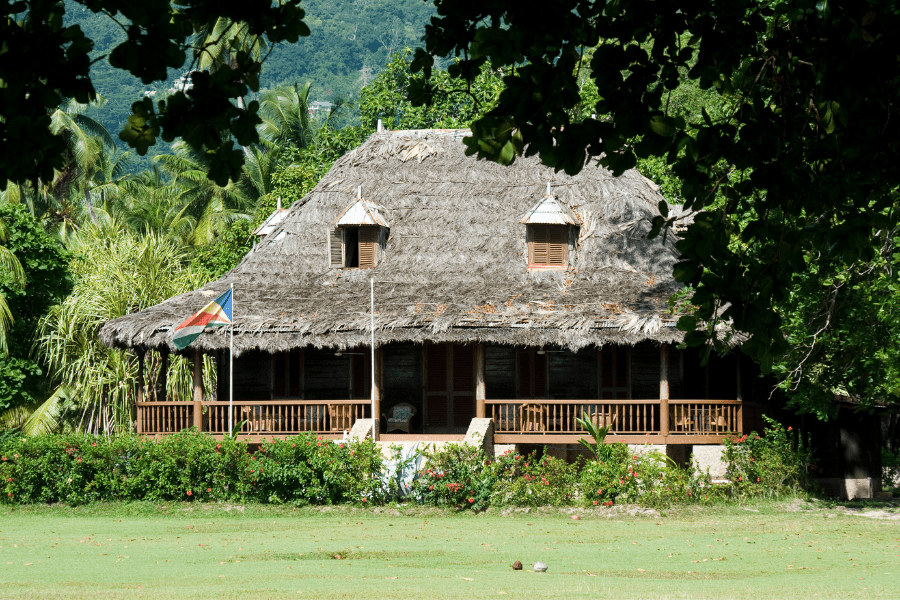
<point>455,266</point>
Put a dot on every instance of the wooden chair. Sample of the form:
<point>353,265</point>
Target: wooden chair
<point>341,417</point>
<point>399,418</point>
<point>682,423</point>
<point>601,419</point>
<point>533,417</point>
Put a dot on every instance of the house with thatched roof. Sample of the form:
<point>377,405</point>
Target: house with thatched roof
<point>514,294</point>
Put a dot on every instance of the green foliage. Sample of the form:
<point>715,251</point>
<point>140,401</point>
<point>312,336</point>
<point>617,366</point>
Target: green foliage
<point>229,248</point>
<point>841,323</point>
<point>457,476</point>
<point>116,273</point>
<point>310,470</point>
<point>792,164</point>
<point>645,478</point>
<point>532,481</point>
<point>188,466</point>
<point>771,465</point>
<point>46,60</point>
<point>302,168</point>
<point>47,280</point>
<point>454,105</point>
<point>598,434</point>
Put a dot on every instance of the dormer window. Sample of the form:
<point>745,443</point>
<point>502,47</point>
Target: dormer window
<point>548,245</point>
<point>549,225</point>
<point>358,236</point>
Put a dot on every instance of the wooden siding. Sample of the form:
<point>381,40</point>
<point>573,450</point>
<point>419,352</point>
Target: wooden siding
<point>327,375</point>
<point>572,375</point>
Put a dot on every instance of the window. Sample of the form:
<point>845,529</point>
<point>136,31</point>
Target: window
<point>354,247</point>
<point>548,246</point>
<point>358,237</point>
<point>532,371</point>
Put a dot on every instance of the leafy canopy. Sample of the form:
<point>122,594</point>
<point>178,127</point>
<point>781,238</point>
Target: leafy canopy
<point>43,61</point>
<point>802,164</point>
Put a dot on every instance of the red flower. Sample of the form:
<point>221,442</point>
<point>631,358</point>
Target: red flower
<point>610,503</point>
<point>4,458</point>
<point>10,479</point>
<point>751,458</point>
<point>471,500</point>
<point>10,494</point>
<point>363,499</point>
<point>757,480</point>
<point>190,493</point>
<point>790,428</point>
<point>218,445</point>
<point>600,491</point>
<point>595,503</point>
<point>430,487</point>
<point>79,459</point>
<point>208,489</point>
<point>318,443</point>
<point>94,444</point>
<point>293,445</point>
<point>634,458</point>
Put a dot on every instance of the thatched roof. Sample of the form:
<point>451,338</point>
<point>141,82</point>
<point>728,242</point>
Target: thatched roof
<point>454,267</point>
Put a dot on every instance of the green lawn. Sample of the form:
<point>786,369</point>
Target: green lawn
<point>775,550</point>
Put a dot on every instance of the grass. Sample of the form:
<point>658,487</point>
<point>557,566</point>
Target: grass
<point>769,550</point>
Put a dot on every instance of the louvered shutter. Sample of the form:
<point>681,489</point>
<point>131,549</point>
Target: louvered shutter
<point>295,373</point>
<point>614,373</point>
<point>549,245</point>
<point>336,248</point>
<point>279,374</point>
<point>540,375</point>
<point>436,385</point>
<point>539,245</point>
<point>557,245</point>
<point>463,385</point>
<point>524,367</point>
<point>368,247</point>
<point>360,365</point>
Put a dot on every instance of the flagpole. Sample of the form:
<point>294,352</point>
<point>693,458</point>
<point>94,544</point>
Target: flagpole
<point>231,369</point>
<point>372,310</point>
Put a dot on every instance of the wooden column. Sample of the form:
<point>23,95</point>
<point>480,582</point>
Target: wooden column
<point>197,381</point>
<point>480,388</point>
<point>377,387</point>
<point>664,390</point>
<point>140,391</point>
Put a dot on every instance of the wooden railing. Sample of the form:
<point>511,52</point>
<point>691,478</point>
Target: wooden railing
<point>268,417</point>
<point>538,420</point>
<point>655,421</point>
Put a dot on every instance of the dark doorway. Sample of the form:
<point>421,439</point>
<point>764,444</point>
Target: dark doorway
<point>449,387</point>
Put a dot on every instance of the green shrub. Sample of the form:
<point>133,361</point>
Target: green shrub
<point>187,466</point>
<point>771,465</point>
<point>532,481</point>
<point>458,476</point>
<point>309,470</point>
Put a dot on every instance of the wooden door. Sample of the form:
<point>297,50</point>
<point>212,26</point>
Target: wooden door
<point>531,370</point>
<point>449,387</point>
<point>615,372</point>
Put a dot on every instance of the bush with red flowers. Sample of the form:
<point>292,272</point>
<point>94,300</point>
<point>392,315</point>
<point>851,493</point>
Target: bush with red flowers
<point>772,465</point>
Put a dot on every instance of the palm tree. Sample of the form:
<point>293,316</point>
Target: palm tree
<point>117,272</point>
<point>211,205</point>
<point>12,270</point>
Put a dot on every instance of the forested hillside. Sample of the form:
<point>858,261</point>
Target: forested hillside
<point>349,44</point>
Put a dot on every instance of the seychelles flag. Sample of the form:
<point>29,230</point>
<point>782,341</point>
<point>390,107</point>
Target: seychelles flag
<point>215,314</point>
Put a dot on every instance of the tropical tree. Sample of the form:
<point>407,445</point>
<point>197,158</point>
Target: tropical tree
<point>212,206</point>
<point>36,277</point>
<point>116,272</point>
<point>10,271</point>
